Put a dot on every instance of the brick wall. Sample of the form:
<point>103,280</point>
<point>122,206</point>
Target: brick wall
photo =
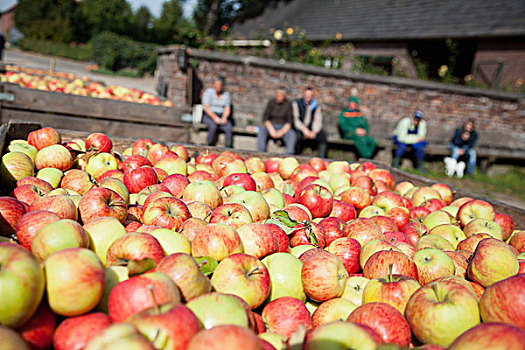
<point>251,82</point>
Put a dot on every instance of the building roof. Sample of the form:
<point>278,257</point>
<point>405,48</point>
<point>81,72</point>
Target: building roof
<point>358,20</point>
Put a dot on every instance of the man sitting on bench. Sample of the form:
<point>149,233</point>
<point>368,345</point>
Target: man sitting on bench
<point>410,132</point>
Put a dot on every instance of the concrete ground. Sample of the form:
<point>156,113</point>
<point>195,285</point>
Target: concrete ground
<point>38,61</point>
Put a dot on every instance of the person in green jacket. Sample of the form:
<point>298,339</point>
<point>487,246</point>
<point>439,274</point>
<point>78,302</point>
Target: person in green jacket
<point>354,126</point>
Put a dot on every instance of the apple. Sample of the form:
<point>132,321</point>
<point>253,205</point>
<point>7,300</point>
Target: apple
<point>332,310</point>
<point>50,175</point>
<point>119,336</point>
<point>450,232</point>
<point>282,237</point>
<point>396,237</point>
<point>44,137</point>
<point>241,179</point>
<point>258,240</point>
<point>366,183</point>
<point>503,301</point>
<point>29,193</point>
<point>432,264</point>
<point>141,147</point>
<point>139,293</point>
<point>54,156</point>
<point>100,202</point>
<point>38,331</point>
<point>98,142</point>
<point>372,247</point>
<point>493,261</point>
<point>460,263</point>
<point>24,280</point>
<point>317,199</point>
<point>58,235</point>
<point>15,166</point>
<point>475,209</point>
<point>506,223</point>
<point>400,216</point>
<point>323,276</point>
<point>285,315</point>
<point>29,224</point>
<point>339,335</point>
<point>172,164</point>
<point>347,249</point>
<point>386,320</point>
<point>138,179</point>
<point>394,290</point>
<point>214,309</point>
<point>171,242</point>
<point>363,230</point>
<point>480,225</point>
<point>203,191</point>
<point>378,265</point>
<point>424,194</point>
<point>232,214</point>
<point>242,275</point>
<point>287,166</point>
<point>517,240</point>
<point>134,162</point>
<point>31,180</point>
<point>167,213</point>
<point>156,152</point>
<point>440,311</point>
<point>75,332</point>
<point>333,229</point>
<point>74,280</point>
<point>61,205</point>
<point>225,337</point>
<point>308,233</point>
<point>255,203</point>
<point>436,218</point>
<point>285,276</point>
<point>185,272</point>
<point>272,164</point>
<point>134,247</point>
<point>102,233</point>
<point>217,241</point>
<point>470,243</point>
<point>343,211</point>
<point>490,336</point>
<point>191,227</point>
<point>434,242</point>
<point>303,171</point>
<point>11,340</point>
<point>354,289</point>
<point>11,210</point>
<point>176,183</point>
<point>370,211</point>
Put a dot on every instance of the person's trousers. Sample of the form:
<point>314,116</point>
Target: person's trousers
<point>365,145</point>
<point>214,128</point>
<point>471,155</point>
<point>418,147</point>
<point>290,139</point>
<point>320,142</point>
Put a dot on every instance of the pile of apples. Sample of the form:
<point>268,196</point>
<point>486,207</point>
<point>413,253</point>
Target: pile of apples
<point>152,249</point>
<point>70,84</point>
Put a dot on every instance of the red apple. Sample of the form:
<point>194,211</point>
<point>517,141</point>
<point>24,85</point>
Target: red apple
<point>241,179</point>
<point>176,183</point>
<point>98,142</point>
<point>225,337</point>
<point>11,210</point>
<point>138,179</point>
<point>38,331</point>
<point>506,223</point>
<point>323,276</point>
<point>333,228</point>
<point>490,335</point>
<point>134,162</point>
<point>217,241</point>
<point>99,202</point>
<point>75,332</point>
<point>54,156</point>
<point>317,199</point>
<point>285,315</point>
<point>167,213</point>
<point>30,223</point>
<point>378,265</point>
<point>363,230</point>
<point>347,249</point>
<point>135,246</point>
<point>44,137</point>
<point>308,233</point>
<point>141,147</point>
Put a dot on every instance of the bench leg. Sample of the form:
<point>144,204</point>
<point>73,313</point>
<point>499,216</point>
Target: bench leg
<point>485,164</point>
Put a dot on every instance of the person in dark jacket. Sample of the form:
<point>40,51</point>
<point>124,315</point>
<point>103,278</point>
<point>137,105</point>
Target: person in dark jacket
<point>277,123</point>
<point>308,121</point>
<point>2,45</point>
<point>462,145</point>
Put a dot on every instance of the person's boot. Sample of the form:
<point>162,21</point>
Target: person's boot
<point>419,166</point>
<point>395,162</point>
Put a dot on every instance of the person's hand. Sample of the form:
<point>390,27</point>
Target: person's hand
<point>216,119</point>
<point>273,134</point>
<point>360,132</point>
<point>461,151</point>
<point>224,120</point>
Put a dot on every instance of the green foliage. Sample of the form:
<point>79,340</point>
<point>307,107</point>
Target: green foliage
<point>142,24</point>
<point>81,53</point>
<point>165,27</point>
<point>107,15</point>
<point>47,19</point>
<point>114,52</point>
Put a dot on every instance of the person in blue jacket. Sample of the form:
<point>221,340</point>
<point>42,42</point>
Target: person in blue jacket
<point>462,145</point>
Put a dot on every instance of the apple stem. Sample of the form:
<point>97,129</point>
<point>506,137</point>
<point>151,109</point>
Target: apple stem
<point>156,305</point>
<point>390,269</point>
<point>204,262</point>
<point>253,271</point>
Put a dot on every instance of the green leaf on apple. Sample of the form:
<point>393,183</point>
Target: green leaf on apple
<point>207,264</point>
<point>283,216</point>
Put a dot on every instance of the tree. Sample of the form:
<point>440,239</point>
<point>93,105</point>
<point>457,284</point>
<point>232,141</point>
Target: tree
<point>214,16</point>
<point>46,19</point>
<point>165,27</point>
<point>107,15</point>
<point>142,24</point>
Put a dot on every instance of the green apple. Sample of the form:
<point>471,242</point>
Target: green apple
<point>285,276</point>
<point>481,225</point>
<point>51,175</point>
<point>100,163</point>
<point>438,217</point>
<point>432,264</point>
<point>215,309</point>
<point>21,284</point>
<point>371,210</point>
<point>300,249</point>
<point>254,202</point>
<point>355,285</point>
<point>451,210</point>
<point>278,341</point>
<point>332,310</point>
<point>171,241</point>
<point>102,232</point>
<point>433,241</point>
<point>24,148</point>
<point>450,232</point>
<point>339,335</point>
<point>119,336</point>
<point>12,340</point>
<point>112,276</point>
<point>61,234</point>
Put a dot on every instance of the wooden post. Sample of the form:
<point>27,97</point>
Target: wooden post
<point>52,65</point>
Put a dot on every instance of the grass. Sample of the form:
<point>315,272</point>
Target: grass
<point>121,73</point>
<point>509,186</point>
